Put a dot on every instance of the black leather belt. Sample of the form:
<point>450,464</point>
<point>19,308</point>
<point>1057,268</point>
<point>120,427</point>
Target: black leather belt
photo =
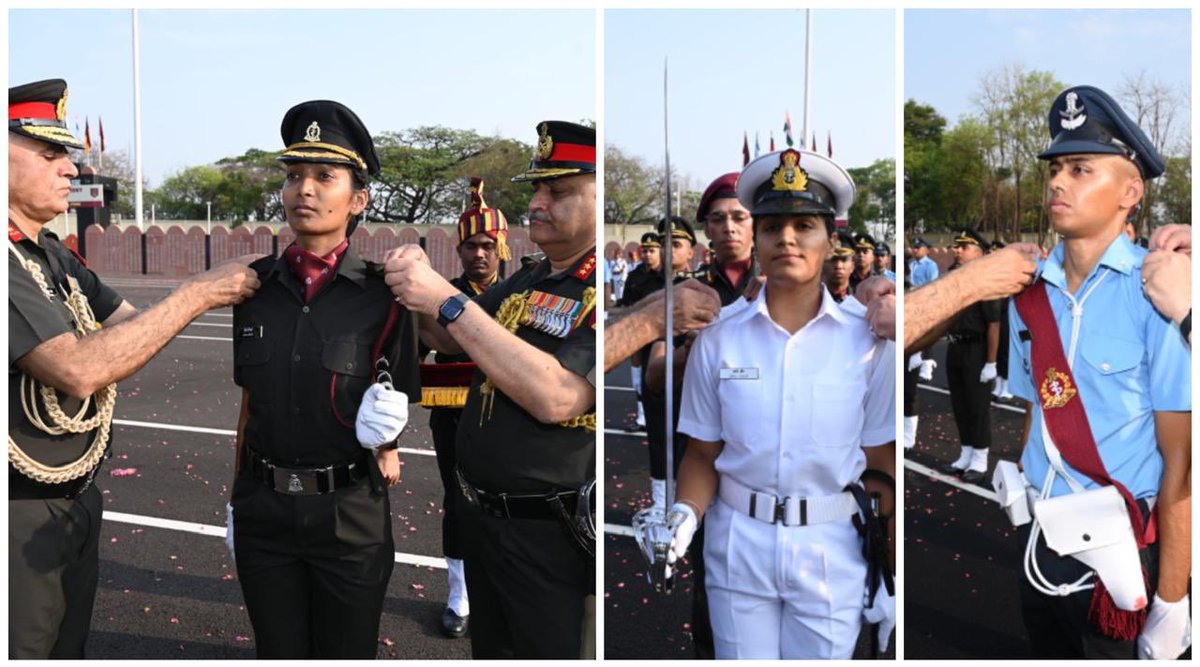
<point>305,481</point>
<point>962,339</point>
<point>516,506</point>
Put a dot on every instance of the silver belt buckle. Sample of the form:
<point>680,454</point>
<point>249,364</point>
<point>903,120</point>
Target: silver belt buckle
<point>294,484</point>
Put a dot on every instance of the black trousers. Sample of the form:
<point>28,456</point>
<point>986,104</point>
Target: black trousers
<point>314,569</point>
<point>1057,626</point>
<point>912,398</point>
<point>527,583</point>
<point>970,399</point>
<point>53,569</point>
<point>443,422</point>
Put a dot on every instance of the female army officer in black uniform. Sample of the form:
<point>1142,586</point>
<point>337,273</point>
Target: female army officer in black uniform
<point>312,528</point>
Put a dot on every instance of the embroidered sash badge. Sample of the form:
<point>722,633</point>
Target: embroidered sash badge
<point>1056,389</point>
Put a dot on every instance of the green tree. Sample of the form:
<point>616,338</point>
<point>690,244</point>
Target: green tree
<point>252,186</point>
<point>875,202</point>
<point>496,164</point>
<point>184,195</point>
<point>1174,203</point>
<point>633,189</point>
<point>421,168</point>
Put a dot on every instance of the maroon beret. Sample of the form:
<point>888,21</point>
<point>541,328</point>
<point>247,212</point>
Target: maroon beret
<point>725,187</point>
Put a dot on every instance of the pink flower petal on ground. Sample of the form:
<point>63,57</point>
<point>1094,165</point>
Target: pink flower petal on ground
<point>123,472</point>
<point>418,587</point>
<point>240,638</point>
<point>387,641</point>
<point>175,620</point>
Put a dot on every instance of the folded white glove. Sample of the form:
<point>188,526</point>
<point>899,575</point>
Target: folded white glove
<point>1168,630</point>
<point>988,373</point>
<point>681,520</point>
<point>882,612</point>
<point>914,361</point>
<point>927,367</point>
<point>229,529</point>
<point>381,417</point>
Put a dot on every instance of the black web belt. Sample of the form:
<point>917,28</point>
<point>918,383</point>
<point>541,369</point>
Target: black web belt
<point>304,481</point>
<point>514,505</point>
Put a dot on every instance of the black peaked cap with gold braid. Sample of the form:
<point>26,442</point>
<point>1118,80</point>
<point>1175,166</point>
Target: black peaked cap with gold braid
<point>39,111</point>
<point>327,132</point>
<point>563,149</point>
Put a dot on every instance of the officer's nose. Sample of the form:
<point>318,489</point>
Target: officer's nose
<point>69,168</point>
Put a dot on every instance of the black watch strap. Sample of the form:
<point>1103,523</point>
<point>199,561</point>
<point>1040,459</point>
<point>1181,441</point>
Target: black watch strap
<point>1185,327</point>
<point>452,308</point>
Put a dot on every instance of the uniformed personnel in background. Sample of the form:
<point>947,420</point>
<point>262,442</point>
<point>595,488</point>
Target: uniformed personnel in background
<point>527,437</point>
<point>482,246</point>
<point>730,230</point>
<point>883,261</point>
<point>974,343</point>
<point>71,338</point>
<point>864,249</point>
<point>839,269</point>
<point>639,284</point>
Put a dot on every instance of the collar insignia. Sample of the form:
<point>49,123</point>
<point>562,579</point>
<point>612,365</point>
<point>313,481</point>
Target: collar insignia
<point>1073,116</point>
<point>312,132</point>
<point>789,177</point>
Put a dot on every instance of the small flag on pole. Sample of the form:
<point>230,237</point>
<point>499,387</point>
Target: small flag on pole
<point>745,149</point>
<point>101,123</point>
<point>829,145</point>
<point>787,127</point>
<point>756,149</point>
<point>772,141</point>
<point>87,136</point>
<point>814,143</point>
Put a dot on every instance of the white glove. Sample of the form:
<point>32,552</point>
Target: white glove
<point>381,417</point>
<point>229,529</point>
<point>914,361</point>
<point>1168,630</point>
<point>927,367</point>
<point>882,612</point>
<point>682,522</point>
<point>988,373</point>
<point>635,378</point>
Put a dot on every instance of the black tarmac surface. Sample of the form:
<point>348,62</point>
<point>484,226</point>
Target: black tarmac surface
<point>170,592</point>
<point>639,623</point>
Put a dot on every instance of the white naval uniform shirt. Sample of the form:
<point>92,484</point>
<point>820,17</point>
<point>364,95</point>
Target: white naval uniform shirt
<point>793,410</point>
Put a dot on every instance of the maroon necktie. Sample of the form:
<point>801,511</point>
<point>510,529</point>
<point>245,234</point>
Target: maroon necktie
<point>313,271</point>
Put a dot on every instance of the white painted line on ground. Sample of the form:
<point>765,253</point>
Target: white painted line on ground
<point>211,324</point>
<point>946,392</point>
<point>225,340</point>
<point>947,479</point>
<point>229,315</point>
<point>219,531</point>
<point>225,431</point>
<point>620,431</point>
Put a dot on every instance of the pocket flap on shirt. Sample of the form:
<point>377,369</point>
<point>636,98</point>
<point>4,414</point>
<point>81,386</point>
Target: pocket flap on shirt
<point>1110,355</point>
<point>346,357</point>
<point>253,352</point>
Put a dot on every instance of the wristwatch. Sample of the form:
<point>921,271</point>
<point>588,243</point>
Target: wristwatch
<point>452,308</point>
<point>1185,327</point>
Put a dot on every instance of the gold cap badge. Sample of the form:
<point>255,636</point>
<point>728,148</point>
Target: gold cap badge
<point>1056,389</point>
<point>60,109</point>
<point>789,177</point>
<point>545,143</point>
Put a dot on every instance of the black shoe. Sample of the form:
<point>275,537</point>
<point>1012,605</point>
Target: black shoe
<point>453,625</point>
<point>949,469</point>
<point>973,476</point>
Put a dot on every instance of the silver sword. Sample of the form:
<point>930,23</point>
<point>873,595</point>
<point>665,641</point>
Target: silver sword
<point>650,525</point>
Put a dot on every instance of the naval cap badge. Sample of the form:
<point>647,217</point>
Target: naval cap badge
<point>312,132</point>
<point>1073,116</point>
<point>789,176</point>
<point>545,145</point>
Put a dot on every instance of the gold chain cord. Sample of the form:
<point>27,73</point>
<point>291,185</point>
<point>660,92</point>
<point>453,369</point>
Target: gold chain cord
<point>512,312</point>
<point>55,421</point>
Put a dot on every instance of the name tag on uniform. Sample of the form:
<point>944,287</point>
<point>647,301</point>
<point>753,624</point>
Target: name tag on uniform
<point>739,373</point>
<point>251,331</point>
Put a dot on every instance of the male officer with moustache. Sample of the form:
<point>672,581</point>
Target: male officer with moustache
<point>71,338</point>
<point>526,441</point>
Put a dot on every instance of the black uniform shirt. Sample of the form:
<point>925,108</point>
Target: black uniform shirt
<point>32,320</point>
<point>638,284</point>
<point>975,319</point>
<point>509,450</point>
<point>292,357</point>
<point>713,276</point>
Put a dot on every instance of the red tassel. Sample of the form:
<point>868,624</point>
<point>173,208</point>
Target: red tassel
<point>1112,622</point>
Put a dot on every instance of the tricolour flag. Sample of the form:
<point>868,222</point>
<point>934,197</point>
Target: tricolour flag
<point>787,128</point>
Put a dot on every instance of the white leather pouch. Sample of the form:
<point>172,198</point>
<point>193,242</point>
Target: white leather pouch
<point>1093,527</point>
<point>1010,487</point>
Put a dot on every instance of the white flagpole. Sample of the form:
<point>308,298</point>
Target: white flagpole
<point>807,71</point>
<point>137,126</point>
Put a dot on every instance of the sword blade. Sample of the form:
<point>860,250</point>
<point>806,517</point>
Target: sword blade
<point>669,275</point>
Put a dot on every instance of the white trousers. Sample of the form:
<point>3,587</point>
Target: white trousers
<point>777,592</point>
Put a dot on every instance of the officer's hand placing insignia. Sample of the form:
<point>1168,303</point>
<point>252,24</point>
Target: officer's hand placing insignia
<point>413,281</point>
<point>754,287</point>
<point>381,416</point>
<point>1172,238</point>
<point>696,306</point>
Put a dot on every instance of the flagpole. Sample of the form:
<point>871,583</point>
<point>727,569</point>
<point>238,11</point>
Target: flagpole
<point>807,68</point>
<point>137,127</point>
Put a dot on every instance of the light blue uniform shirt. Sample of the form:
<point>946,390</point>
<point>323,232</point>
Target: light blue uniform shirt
<point>1129,363</point>
<point>890,275</point>
<point>922,271</point>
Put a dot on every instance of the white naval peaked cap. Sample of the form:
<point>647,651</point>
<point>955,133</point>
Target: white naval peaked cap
<point>795,182</point>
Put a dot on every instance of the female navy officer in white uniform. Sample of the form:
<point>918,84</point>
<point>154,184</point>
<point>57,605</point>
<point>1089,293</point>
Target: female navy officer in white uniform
<point>787,400</point>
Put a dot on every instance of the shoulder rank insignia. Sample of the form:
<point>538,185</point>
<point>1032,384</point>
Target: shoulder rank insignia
<point>789,176</point>
<point>1056,389</point>
<point>551,314</point>
<point>586,268</point>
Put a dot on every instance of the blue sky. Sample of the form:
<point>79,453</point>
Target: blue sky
<point>947,52</point>
<point>736,71</point>
<point>217,82</point>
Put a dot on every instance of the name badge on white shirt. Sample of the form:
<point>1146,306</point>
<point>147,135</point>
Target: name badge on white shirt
<point>739,373</point>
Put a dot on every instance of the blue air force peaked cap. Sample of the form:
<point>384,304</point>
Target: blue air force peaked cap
<point>1085,119</point>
